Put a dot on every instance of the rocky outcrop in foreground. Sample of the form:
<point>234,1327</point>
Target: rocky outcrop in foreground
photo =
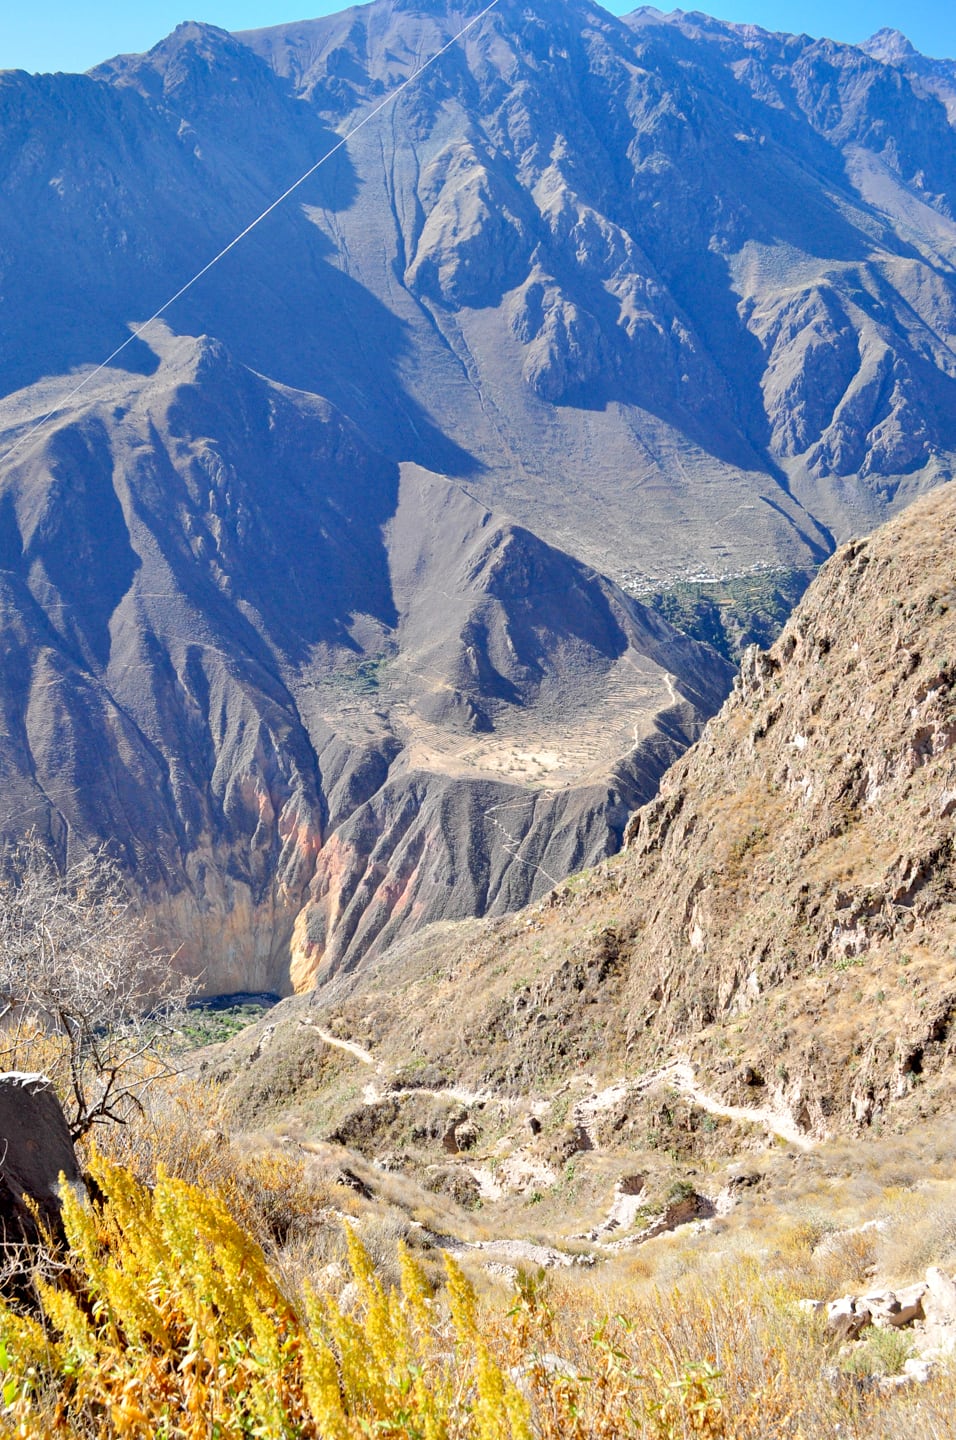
<point>924,1312</point>
<point>35,1151</point>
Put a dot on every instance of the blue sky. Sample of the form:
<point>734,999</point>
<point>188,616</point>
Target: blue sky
<point>61,35</point>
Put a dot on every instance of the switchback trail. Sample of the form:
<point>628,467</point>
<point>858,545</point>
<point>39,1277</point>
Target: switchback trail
<point>680,1074</point>
<point>778,1121</point>
<point>375,1091</point>
<point>349,1046</point>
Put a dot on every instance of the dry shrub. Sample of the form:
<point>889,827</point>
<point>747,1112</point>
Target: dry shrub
<point>847,1259</point>
<point>382,1236</point>
<point>921,1232</point>
<point>184,1312</point>
<point>81,991</point>
<point>880,1352</point>
<point>275,1195</point>
<point>170,1320</point>
<point>809,1229</point>
<point>179,1131</point>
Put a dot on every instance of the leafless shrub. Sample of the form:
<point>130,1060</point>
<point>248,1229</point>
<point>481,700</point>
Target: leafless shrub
<point>921,1232</point>
<point>83,996</point>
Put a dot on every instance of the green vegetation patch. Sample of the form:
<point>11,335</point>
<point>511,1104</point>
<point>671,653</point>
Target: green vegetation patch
<point>211,1021</point>
<point>361,676</point>
<point>731,614</point>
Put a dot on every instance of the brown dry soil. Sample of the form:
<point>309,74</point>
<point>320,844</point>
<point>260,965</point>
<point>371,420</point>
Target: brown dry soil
<point>771,962</point>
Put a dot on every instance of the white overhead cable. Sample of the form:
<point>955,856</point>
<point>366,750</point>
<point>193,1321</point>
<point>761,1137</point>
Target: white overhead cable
<point>140,330</point>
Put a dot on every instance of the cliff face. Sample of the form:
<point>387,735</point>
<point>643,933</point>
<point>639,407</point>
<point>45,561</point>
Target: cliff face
<point>309,702</point>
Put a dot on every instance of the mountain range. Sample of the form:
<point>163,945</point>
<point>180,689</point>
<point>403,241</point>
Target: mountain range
<point>323,605</point>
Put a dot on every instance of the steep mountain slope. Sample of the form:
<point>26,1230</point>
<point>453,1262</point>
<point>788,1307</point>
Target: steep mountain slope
<point>816,899</point>
<point>708,262</point>
<point>937,77</point>
<point>675,293</point>
<point>298,616</point>
<point>297,691</point>
<point>782,921</point>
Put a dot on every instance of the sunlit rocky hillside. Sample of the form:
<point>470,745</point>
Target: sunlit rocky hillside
<point>326,604</point>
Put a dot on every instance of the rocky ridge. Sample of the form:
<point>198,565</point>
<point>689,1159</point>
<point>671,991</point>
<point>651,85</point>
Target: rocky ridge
<point>662,270</point>
<point>775,946</point>
<point>937,77</point>
<point>813,829</point>
<point>308,700</point>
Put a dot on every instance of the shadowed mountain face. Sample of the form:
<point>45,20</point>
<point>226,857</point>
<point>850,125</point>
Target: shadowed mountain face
<point>300,617</point>
<point>678,294</point>
<point>310,701</point>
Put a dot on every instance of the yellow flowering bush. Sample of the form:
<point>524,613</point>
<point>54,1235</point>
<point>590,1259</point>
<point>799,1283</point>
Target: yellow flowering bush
<point>167,1321</point>
<point>165,1318</point>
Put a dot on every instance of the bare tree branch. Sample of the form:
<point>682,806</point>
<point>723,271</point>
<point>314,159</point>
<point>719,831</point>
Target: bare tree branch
<point>80,987</point>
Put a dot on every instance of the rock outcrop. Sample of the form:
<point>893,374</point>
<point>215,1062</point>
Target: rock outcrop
<point>35,1151</point>
<point>925,1311</point>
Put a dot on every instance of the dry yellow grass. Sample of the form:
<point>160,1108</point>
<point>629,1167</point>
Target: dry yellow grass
<point>169,1319</point>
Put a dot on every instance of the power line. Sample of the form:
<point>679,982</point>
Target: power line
<point>511,846</point>
<point>138,333</point>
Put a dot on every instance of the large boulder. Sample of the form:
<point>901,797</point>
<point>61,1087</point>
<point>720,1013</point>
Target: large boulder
<point>940,1301</point>
<point>35,1150</point>
<point>847,1316</point>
